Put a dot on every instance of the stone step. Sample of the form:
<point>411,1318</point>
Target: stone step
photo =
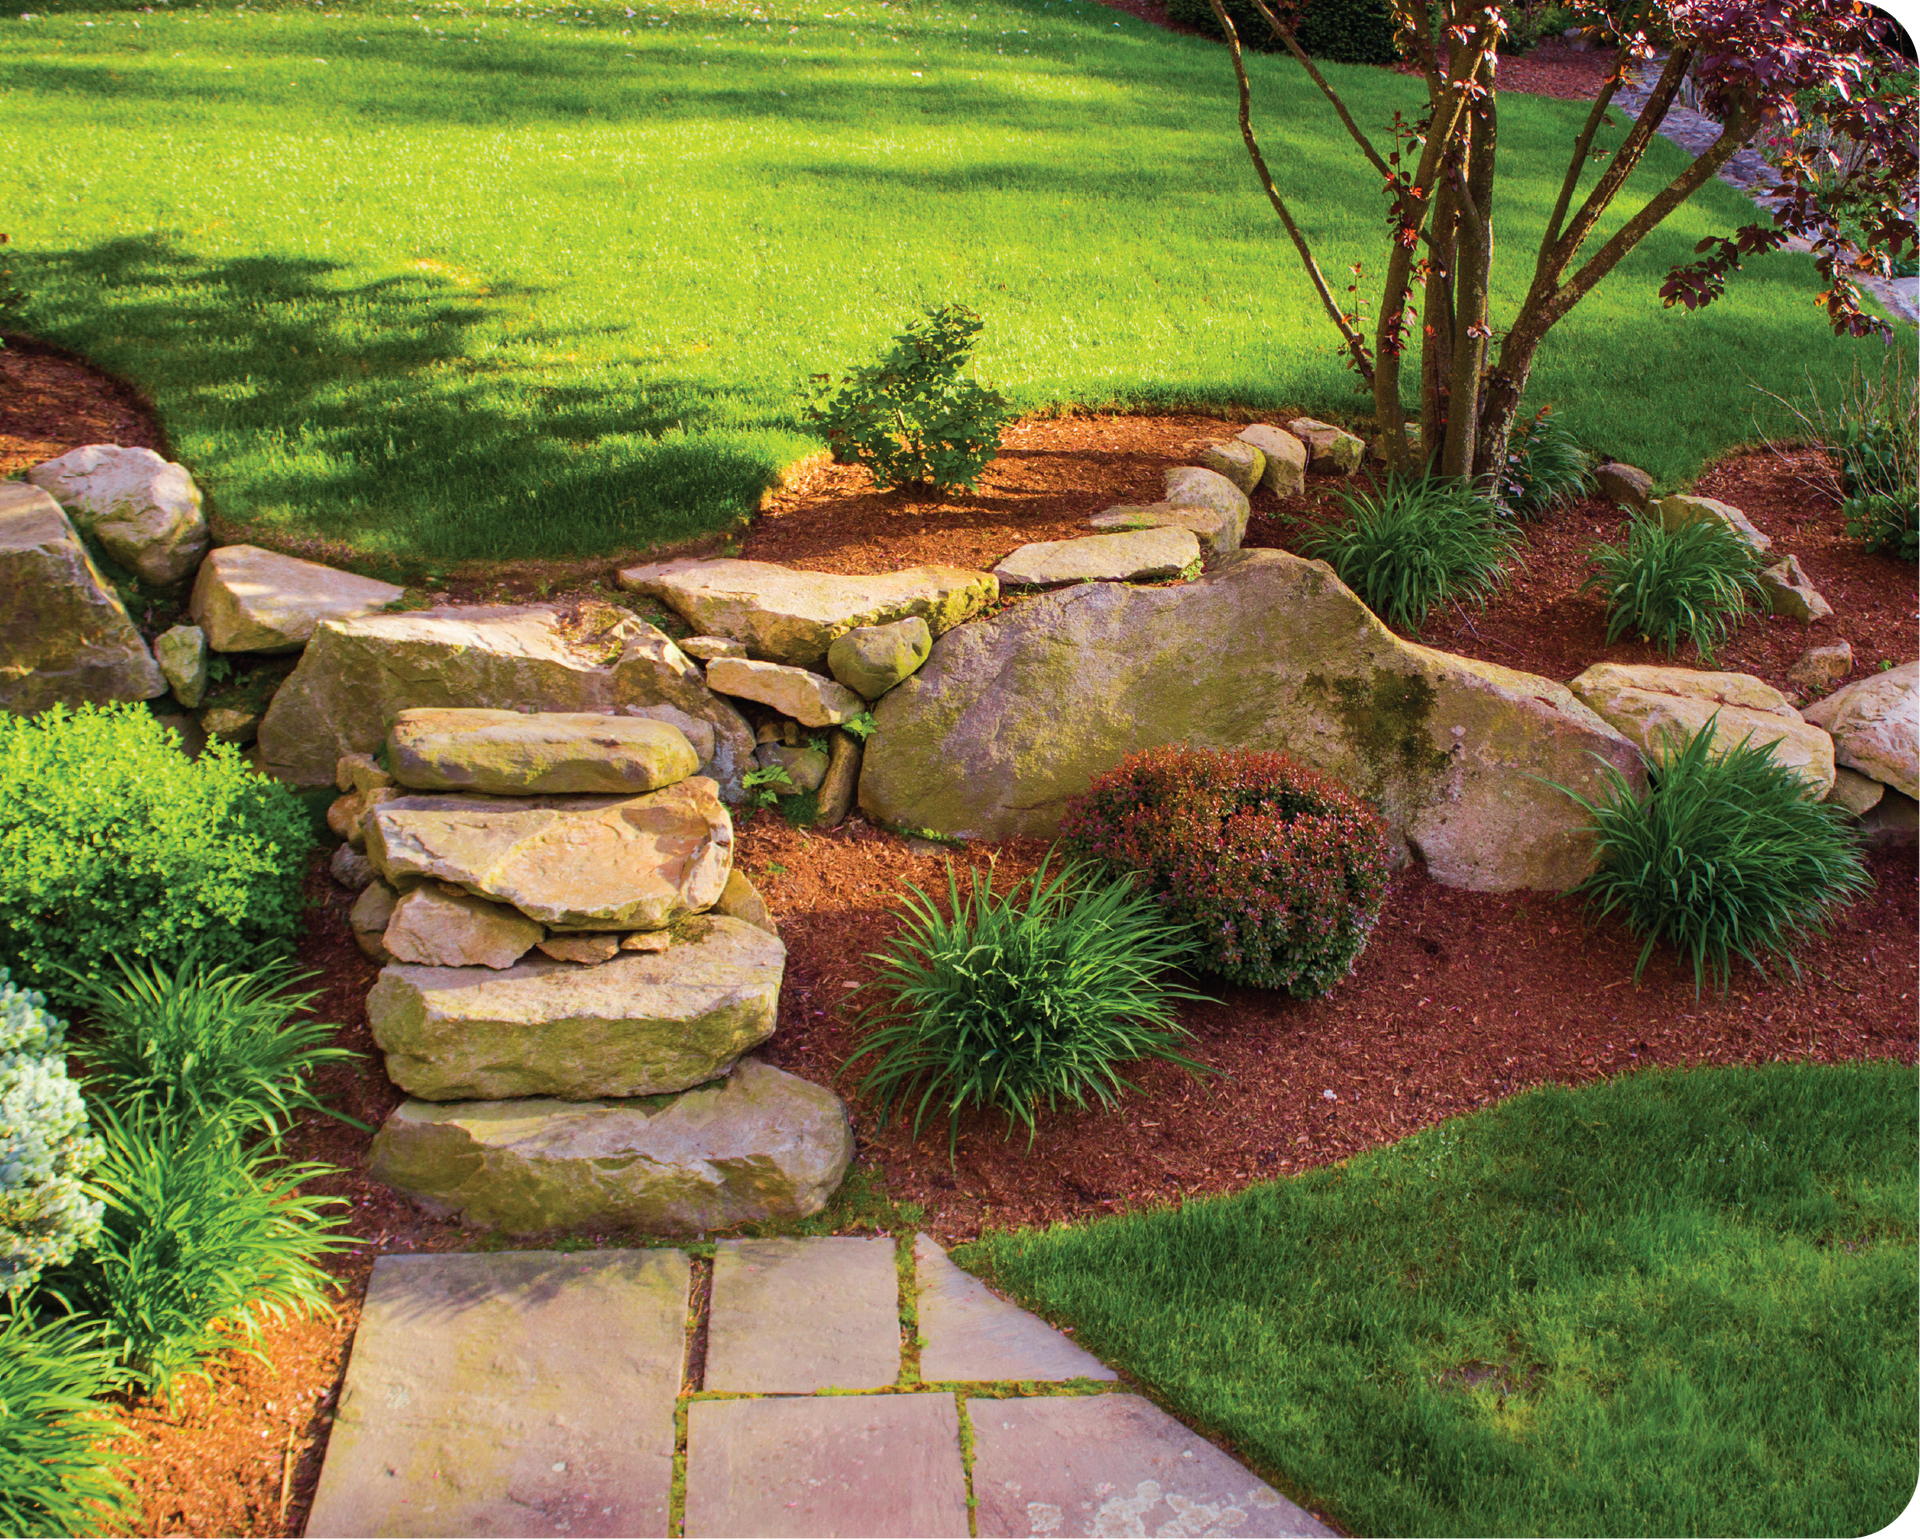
<point>791,1317</point>
<point>1132,555</point>
<point>527,1392</point>
<point>640,1024</point>
<point>755,1146</point>
<point>972,1335</point>
<point>519,753</point>
<point>571,862</point>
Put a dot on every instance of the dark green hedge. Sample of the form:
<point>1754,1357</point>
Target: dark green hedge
<point>1344,31</point>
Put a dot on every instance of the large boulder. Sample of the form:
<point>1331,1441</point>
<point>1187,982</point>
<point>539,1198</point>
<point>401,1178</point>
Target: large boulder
<point>1875,723</point>
<point>757,1147</point>
<point>145,511</point>
<point>357,676</point>
<point>1329,448</point>
<point>1014,715</point>
<point>1679,510</point>
<point>251,600</point>
<point>1660,709</point>
<point>1132,555</point>
<point>65,636</point>
<point>571,862</point>
<point>787,616</point>
<point>1236,459</point>
<point>509,753</point>
<point>1194,486</point>
<point>638,1024</point>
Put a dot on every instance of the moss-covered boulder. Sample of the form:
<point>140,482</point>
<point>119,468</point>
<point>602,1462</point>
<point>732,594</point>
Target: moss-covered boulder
<point>637,1024</point>
<point>1013,715</point>
<point>513,753</point>
<point>759,1145</point>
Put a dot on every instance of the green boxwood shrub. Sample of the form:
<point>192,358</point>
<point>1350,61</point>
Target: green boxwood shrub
<point>45,1214</point>
<point>113,843</point>
<point>1342,31</point>
<point>1279,870</point>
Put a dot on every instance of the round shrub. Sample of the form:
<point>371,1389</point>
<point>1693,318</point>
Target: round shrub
<point>114,843</point>
<point>1279,870</point>
<point>45,1215</point>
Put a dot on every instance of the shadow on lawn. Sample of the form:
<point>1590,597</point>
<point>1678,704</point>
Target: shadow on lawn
<point>372,416</point>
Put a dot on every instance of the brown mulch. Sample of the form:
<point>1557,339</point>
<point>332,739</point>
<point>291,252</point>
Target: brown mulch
<point>51,402</point>
<point>1553,69</point>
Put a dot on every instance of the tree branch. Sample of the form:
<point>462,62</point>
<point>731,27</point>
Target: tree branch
<point>1625,159</point>
<point>1583,145</point>
<point>1355,343</point>
<point>1313,73</point>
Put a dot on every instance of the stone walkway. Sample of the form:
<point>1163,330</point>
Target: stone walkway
<point>546,1392</point>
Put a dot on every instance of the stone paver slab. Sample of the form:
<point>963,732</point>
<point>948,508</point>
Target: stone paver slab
<point>1113,1464</point>
<point>852,1465</point>
<point>524,1392</point>
<point>794,1316</point>
<point>1132,555</point>
<point>974,1336</point>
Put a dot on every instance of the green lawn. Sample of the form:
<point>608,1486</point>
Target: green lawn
<point>1678,1303</point>
<point>486,281</point>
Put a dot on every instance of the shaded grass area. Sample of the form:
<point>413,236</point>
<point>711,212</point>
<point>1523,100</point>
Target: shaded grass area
<point>502,280</point>
<point>1678,1302</point>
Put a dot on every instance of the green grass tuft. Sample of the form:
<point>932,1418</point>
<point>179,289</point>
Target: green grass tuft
<point>1673,1303</point>
<point>1669,586</point>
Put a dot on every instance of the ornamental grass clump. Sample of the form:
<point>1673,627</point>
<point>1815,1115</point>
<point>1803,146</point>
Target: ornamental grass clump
<point>1725,856</point>
<point>57,1457</point>
<point>114,844</point>
<point>1669,586</point>
<point>206,1042</point>
<point>1279,870</point>
<point>205,1236</point>
<point>1415,544</point>
<point>1545,466</point>
<point>1010,1002</point>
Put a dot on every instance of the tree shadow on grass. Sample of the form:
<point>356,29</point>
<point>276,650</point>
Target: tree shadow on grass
<point>374,417</point>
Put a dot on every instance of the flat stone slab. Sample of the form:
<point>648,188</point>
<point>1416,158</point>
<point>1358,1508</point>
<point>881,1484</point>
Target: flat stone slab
<point>1113,1464</point>
<point>1133,555</point>
<point>793,1316</point>
<point>571,862</point>
<point>522,1392</point>
<point>788,616</point>
<point>517,753</point>
<point>853,1465</point>
<point>251,600</point>
<point>638,1024</point>
<point>809,698</point>
<point>974,1336</point>
<point>755,1146</point>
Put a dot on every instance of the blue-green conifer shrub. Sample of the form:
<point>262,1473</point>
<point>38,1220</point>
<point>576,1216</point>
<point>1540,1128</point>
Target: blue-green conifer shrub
<point>45,1214</point>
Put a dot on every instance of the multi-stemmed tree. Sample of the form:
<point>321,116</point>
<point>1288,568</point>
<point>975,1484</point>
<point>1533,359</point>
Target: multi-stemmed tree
<point>1821,76</point>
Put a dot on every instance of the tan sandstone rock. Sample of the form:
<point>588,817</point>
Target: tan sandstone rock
<point>1660,709</point>
<point>807,697</point>
<point>360,772</point>
<point>1014,715</point>
<point>65,637</point>
<point>1191,486</point>
<point>1237,459</point>
<point>1285,471</point>
<point>587,950</point>
<point>356,676</point>
<point>1625,485</point>
<point>1680,510</point>
<point>1789,593</point>
<point>632,1023</point>
<point>519,753</point>
<point>369,917</point>
<point>792,617</point>
<point>759,1145</point>
<point>842,784</point>
<point>871,659</point>
<point>1875,723</point>
<point>571,862</point>
<point>435,926</point>
<point>181,652</point>
<point>1131,555</point>
<point>1855,792</point>
<point>251,600</point>
<point>1820,668</point>
<point>1217,530</point>
<point>1329,448</point>
<point>707,648</point>
<point>145,511</point>
<point>741,900</point>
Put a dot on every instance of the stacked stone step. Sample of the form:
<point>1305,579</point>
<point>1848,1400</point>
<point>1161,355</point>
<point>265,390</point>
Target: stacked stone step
<point>575,975</point>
